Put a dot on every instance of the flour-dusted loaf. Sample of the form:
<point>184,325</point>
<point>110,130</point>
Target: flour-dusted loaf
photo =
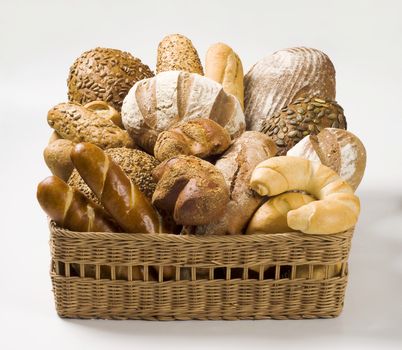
<point>223,65</point>
<point>278,79</point>
<point>104,74</point>
<point>176,52</point>
<point>79,124</point>
<point>338,149</point>
<point>237,165</point>
<point>156,104</point>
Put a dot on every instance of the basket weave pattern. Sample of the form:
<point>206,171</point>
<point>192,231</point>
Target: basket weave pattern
<point>192,277</point>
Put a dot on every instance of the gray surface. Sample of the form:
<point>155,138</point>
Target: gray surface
<point>38,43</point>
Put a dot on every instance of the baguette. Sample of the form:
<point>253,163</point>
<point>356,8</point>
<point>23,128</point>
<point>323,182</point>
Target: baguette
<point>116,192</point>
<point>336,209</point>
<point>70,209</point>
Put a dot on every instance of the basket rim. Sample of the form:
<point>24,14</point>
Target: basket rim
<point>59,232</point>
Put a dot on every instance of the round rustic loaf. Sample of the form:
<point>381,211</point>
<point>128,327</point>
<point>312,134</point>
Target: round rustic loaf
<point>136,164</point>
<point>278,79</point>
<point>338,149</point>
<point>104,74</point>
<point>156,104</point>
<point>303,117</point>
<point>176,52</point>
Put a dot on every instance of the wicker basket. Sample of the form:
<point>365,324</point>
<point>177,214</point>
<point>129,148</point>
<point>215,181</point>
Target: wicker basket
<point>95,275</point>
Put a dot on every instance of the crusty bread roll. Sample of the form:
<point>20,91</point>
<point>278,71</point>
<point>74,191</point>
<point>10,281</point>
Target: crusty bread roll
<point>106,111</point>
<point>278,79</point>
<point>78,124</point>
<point>223,65</point>
<point>157,104</point>
<point>104,74</point>
<point>271,217</point>
<point>237,165</point>
<point>337,208</point>
<point>191,189</point>
<point>176,52</point>
<point>120,197</point>
<point>57,158</point>
<point>198,137</point>
<point>338,149</point>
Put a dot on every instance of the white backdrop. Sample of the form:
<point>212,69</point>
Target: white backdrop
<point>40,39</point>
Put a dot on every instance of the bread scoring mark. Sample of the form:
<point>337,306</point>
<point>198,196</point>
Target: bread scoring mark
<point>145,97</point>
<point>91,217</point>
<point>166,99</point>
<point>67,203</point>
<point>349,158</point>
<point>184,86</point>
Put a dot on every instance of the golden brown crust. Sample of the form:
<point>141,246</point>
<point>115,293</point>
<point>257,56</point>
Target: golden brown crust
<point>57,158</point>
<point>78,124</point>
<point>223,65</point>
<point>176,52</point>
<point>106,75</point>
<point>190,188</point>
<point>106,111</point>
<point>198,137</point>
<point>120,197</point>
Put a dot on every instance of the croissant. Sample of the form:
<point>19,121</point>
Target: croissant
<point>336,209</point>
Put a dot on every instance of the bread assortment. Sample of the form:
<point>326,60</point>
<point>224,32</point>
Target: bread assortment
<point>204,166</point>
<point>156,104</point>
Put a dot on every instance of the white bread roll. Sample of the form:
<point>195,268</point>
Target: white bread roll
<point>155,105</point>
<point>278,79</point>
<point>338,149</point>
<point>337,208</point>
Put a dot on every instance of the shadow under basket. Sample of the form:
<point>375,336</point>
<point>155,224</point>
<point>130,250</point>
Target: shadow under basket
<point>167,277</point>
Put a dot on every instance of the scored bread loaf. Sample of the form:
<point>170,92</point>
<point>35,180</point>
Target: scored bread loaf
<point>198,137</point>
<point>190,189</point>
<point>338,149</point>
<point>278,79</point>
<point>337,208</point>
<point>271,217</point>
<point>70,209</point>
<point>120,197</point>
<point>176,52</point>
<point>223,65</point>
<point>237,165</point>
<point>79,124</point>
<point>57,158</point>
<point>157,104</point>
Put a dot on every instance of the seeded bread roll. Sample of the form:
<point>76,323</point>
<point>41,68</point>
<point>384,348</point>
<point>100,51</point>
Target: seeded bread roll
<point>338,149</point>
<point>190,189</point>
<point>280,78</point>
<point>303,117</point>
<point>106,75</point>
<point>137,165</point>
<point>223,65</point>
<point>106,111</point>
<point>78,124</point>
<point>237,165</point>
<point>198,137</point>
<point>157,104</point>
<point>176,52</point>
<point>57,158</point>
